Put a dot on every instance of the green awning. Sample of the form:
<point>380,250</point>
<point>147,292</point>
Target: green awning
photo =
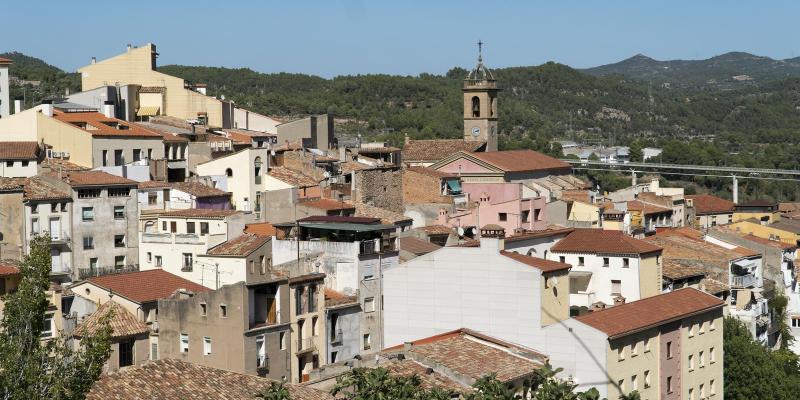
<point>454,185</point>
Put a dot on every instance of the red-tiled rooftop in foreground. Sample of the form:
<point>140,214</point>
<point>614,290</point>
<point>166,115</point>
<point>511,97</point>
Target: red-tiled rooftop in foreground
<point>94,178</point>
<point>709,204</point>
<point>240,246</point>
<point>198,189</point>
<point>536,262</point>
<point>145,286</point>
<point>650,312</point>
<point>7,268</point>
<point>123,323</point>
<point>602,241</point>
<point>19,150</point>
<point>261,228</point>
<point>97,124</point>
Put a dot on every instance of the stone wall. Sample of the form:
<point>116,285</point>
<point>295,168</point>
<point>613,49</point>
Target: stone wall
<point>421,188</point>
<point>380,188</point>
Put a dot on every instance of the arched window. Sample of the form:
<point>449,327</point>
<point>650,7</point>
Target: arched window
<point>229,172</point>
<point>257,166</point>
<point>476,107</point>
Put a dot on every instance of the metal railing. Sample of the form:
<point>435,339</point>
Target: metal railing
<point>148,237</point>
<point>187,238</point>
<point>262,362</point>
<point>84,273</point>
<point>743,281</point>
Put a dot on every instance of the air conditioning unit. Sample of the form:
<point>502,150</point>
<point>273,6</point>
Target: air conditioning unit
<point>65,154</point>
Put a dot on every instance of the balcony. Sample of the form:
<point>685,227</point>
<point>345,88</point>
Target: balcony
<point>743,281</point>
<point>84,273</point>
<point>376,246</point>
<point>156,237</point>
<point>187,238</point>
<point>306,345</point>
<point>60,269</point>
<point>582,299</point>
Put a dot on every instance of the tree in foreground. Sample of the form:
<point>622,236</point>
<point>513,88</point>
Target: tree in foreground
<point>32,368</point>
<point>275,391</point>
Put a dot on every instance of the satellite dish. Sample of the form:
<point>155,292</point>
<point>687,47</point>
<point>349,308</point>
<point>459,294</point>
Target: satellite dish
<point>460,231</point>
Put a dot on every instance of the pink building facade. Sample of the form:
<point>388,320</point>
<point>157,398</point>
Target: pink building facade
<point>511,211</point>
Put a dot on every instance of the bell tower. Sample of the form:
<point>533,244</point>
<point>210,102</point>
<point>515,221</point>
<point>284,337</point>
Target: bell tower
<point>480,104</point>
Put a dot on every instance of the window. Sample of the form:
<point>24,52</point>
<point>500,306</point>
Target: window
<point>152,198</point>
<point>635,349</point>
<point>367,341</point>
<point>691,330</point>
<point>126,353</point>
<point>263,265</point>
<point>691,394</point>
<point>711,356</point>
<point>712,389</point>
<point>312,298</point>
<point>502,216</point>
<point>88,242</point>
<point>119,262</point>
<point>35,226</point>
<point>525,215</point>
<point>204,228</point>
<point>252,267</point>
<point>119,240</point>
<point>701,359</point>
<point>9,163</point>
<point>54,207</point>
<point>621,384</point>
<point>223,311</point>
<point>669,384</point>
<point>369,304</point>
<point>190,227</point>
<point>173,226</point>
<point>184,343</point>
<point>118,158</point>
<point>712,325</point>
<point>605,261</point>
<point>562,259</point>
<point>647,345</point>
<point>476,107</point>
<point>93,263</point>
<point>164,226</point>
<point>119,212</point>
<point>34,208</point>
<point>626,262</point>
<point>646,379</point>
<point>119,192</point>
<point>137,154</point>
<point>333,356</point>
<point>89,193</point>
<point>616,287</point>
<point>105,158</point>
<point>580,261</point>
<point>149,257</point>
<point>158,262</point>
<point>25,163</point>
<point>206,346</point>
<point>369,272</point>
<point>691,362</point>
<point>228,172</point>
<point>282,340</point>
<point>669,349</point>
<point>634,382</point>
<point>187,260</point>
<point>154,351</point>
<point>47,328</point>
<point>203,309</point>
<point>702,327</point>
<point>621,353</point>
<point>87,213</point>
<point>261,352</point>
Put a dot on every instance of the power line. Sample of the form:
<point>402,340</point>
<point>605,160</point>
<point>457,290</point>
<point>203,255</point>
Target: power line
<point>689,174</point>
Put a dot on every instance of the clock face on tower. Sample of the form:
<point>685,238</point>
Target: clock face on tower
<point>476,131</point>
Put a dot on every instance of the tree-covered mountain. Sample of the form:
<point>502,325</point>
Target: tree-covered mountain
<point>725,71</point>
<point>34,79</point>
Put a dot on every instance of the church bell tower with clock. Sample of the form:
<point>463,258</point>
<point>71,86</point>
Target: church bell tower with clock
<point>480,105</point>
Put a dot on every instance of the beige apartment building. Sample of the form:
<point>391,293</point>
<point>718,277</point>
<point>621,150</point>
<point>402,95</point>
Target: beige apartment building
<point>159,93</point>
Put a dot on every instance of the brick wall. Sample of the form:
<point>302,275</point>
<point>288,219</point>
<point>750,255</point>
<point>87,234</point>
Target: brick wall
<point>422,188</point>
<point>380,188</point>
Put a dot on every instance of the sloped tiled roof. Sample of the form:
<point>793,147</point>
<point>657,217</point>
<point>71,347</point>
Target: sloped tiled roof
<point>714,287</point>
<point>521,160</point>
<point>123,323</point>
<point>539,263</point>
<point>37,188</point>
<point>98,126</point>
<point>240,246</point>
<point>674,270</point>
<point>261,228</point>
<point>5,61</point>
<point>647,209</point>
<point>327,204</point>
<point>145,286</point>
<point>602,241</point>
<point>174,379</point>
<point>430,172</point>
<point>428,380</point>
<point>676,246</point>
<point>335,298</point>
<point>94,178</point>
<point>709,204</point>
<point>437,230</point>
<point>292,177</point>
<point>8,268</point>
<point>650,312</point>
<point>198,189</point>
<point>12,184</point>
<point>199,213</point>
<point>437,149</point>
<point>154,185</point>
<point>417,246</point>
<point>60,164</point>
<point>788,225</point>
<point>19,150</point>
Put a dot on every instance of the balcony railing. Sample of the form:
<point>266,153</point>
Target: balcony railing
<point>582,299</point>
<point>743,281</point>
<point>262,362</point>
<point>305,345</point>
<point>61,269</point>
<point>187,238</point>
<point>156,237</point>
<point>84,273</point>
<point>377,246</point>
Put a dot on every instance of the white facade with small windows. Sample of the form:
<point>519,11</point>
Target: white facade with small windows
<point>18,168</point>
<point>244,171</point>
<point>608,276</point>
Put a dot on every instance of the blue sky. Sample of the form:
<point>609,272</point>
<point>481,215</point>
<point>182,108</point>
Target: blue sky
<point>336,37</point>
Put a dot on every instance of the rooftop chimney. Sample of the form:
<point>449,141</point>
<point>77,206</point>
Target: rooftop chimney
<point>619,300</point>
<point>108,109</point>
<point>94,60</point>
<point>129,47</point>
<point>17,105</point>
<point>47,107</point>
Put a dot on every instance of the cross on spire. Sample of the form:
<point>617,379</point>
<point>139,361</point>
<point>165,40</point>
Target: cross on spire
<point>480,50</point>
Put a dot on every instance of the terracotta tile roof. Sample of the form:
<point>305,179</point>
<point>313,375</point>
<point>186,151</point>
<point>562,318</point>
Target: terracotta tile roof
<point>678,246</point>
<point>203,213</point>
<point>376,150</point>
<point>261,228</point>
<point>198,189</point>
<point>386,216</point>
<point>175,379</point>
<point>12,184</point>
<point>123,323</point>
<point>428,380</point>
<point>417,246</point>
<point>97,125</point>
<point>37,188</point>
<point>648,209</point>
<point>5,61</point>
<point>677,270</point>
<point>473,355</point>
<point>60,164</point>
<point>431,172</point>
<point>602,241</point>
<point>681,231</point>
<point>789,207</point>
<point>771,243</point>
<point>521,161</point>
<point>154,185</point>
<point>539,263</point>
<point>758,203</point>
<point>713,286</point>
<point>8,268</point>
<point>550,231</point>
<point>438,230</point>
<point>327,204</point>
<point>94,178</point>
<point>650,312</point>
<point>335,298</point>
<point>292,177</point>
<point>289,146</point>
<point>578,195</point>
<point>145,286</point>
<point>19,150</point>
<point>708,204</point>
<point>436,149</point>
<point>241,246</point>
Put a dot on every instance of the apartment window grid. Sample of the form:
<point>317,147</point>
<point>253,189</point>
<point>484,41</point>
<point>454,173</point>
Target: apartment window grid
<point>646,379</point>
<point>701,359</point>
<point>711,356</point>
<point>635,349</point>
<point>206,346</point>
<point>119,212</point>
<point>691,362</point>
<point>621,353</point>
<point>184,342</point>
<point>119,192</point>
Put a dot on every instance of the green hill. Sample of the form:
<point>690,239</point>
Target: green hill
<point>35,79</point>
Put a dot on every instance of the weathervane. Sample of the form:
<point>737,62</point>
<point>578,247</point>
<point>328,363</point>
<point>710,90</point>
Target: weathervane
<point>480,50</point>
